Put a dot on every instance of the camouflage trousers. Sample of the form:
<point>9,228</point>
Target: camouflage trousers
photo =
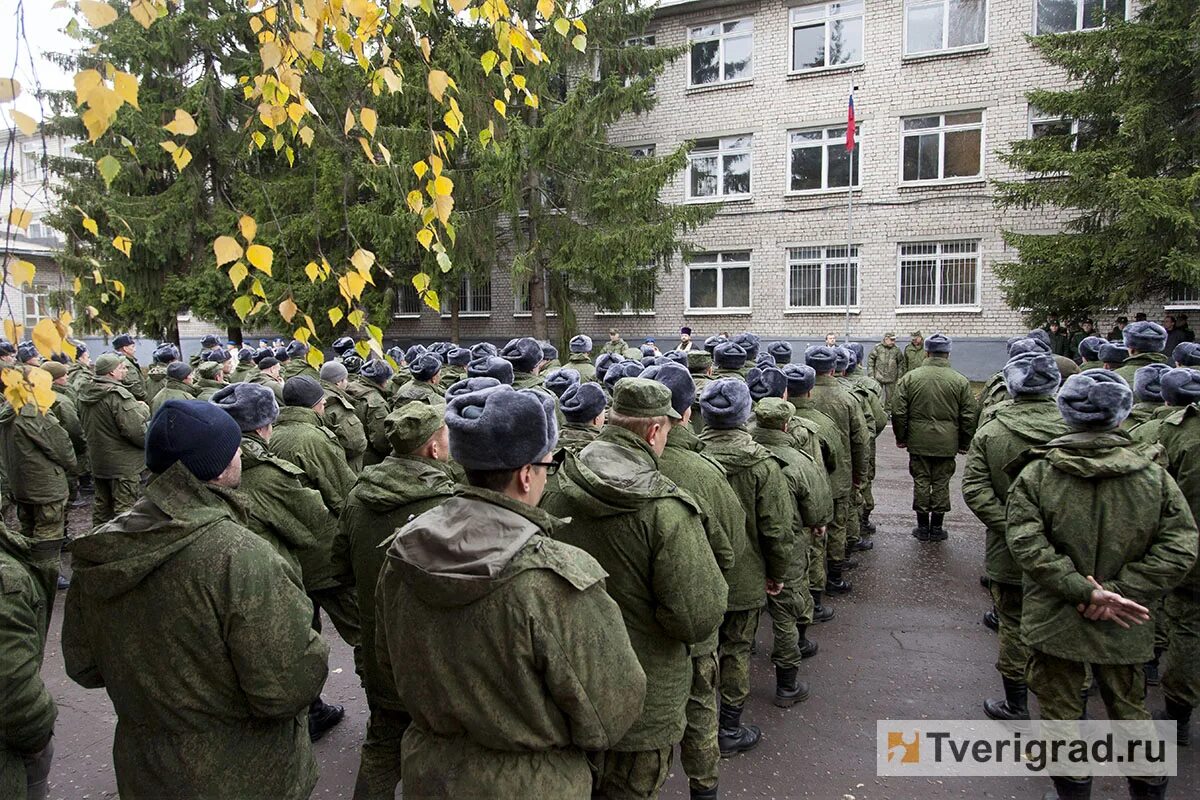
<point>42,520</point>
<point>340,603</point>
<point>632,776</point>
<point>837,531</point>
<point>888,390</point>
<point>114,496</point>
<point>791,607</point>
<point>1014,655</point>
<point>931,482</point>
<point>1181,679</point>
<point>737,634</point>
<point>817,548</point>
<point>698,751</point>
<point>868,491</point>
<point>379,765</point>
<point>1057,682</point>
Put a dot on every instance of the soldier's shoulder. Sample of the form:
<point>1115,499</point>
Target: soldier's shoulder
<point>573,565</point>
<point>14,578</point>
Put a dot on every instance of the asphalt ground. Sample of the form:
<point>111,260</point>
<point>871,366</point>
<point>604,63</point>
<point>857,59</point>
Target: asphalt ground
<point>907,643</point>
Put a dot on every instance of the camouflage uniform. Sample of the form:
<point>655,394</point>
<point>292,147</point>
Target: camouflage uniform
<point>582,363</point>
<point>115,424</point>
<point>172,390</point>
<point>418,392</point>
<point>884,364</point>
<point>135,381</point>
<point>38,453</point>
<point>830,398</point>
<point>341,417</point>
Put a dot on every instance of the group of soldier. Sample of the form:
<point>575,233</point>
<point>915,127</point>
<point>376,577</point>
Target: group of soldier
<point>552,571</point>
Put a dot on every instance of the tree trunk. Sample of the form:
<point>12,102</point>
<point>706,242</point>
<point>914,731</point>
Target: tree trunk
<point>235,334</point>
<point>537,273</point>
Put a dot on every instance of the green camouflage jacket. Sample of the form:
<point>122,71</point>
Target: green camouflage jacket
<point>648,535</point>
<point>835,402</point>
<point>582,363</point>
<point>172,390</point>
<point>156,377</point>
<point>1179,435</point>
<point>66,411</point>
<point>913,358</point>
<point>203,638</point>
<point>341,417</point>
<point>263,379</point>
<point>1095,504</point>
<point>373,409</point>
<point>543,669</point>
<point>418,392</point>
<point>933,412</point>
<point>829,441</point>
<point>813,502</point>
<point>115,424</point>
<point>38,454</point>
<point>1131,365</point>
<point>79,375</point>
<point>574,436</point>
<point>884,363</point>
<point>300,438</point>
<point>867,392</point>
<point>135,380</point>
<point>295,367</point>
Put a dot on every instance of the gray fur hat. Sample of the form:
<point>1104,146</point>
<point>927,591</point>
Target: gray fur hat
<point>1089,348</point>
<point>710,344</point>
<point>626,369</point>
<point>302,391</point>
<point>343,345</point>
<point>582,402</point>
<point>729,355</point>
<point>782,352</point>
<point>524,354</point>
<point>166,353</point>
<point>1095,400</point>
<point>938,343</point>
<point>458,356</point>
<point>801,378</point>
<point>768,382</point>
<point>1113,353</point>
<point>491,367</point>
<point>178,370</point>
<point>501,428</point>
<point>220,355</point>
<point>648,350</point>
<point>1041,335</point>
<point>353,363</point>
<point>377,371</point>
<point>725,403</point>
<point>251,405</point>
<point>677,357</point>
<point>1032,375</point>
<point>470,385</point>
<point>333,372</point>
<point>425,367</point>
<point>1026,344</point>
<point>748,342</point>
<point>843,359</point>
<point>549,352</point>
<point>1181,387</point>
<point>821,358</point>
<point>562,379</point>
<point>1145,336</point>
<point>678,380</point>
<point>1147,383</point>
<point>210,340</point>
<point>122,340</point>
<point>607,361</point>
<point>1186,354</point>
<point>764,360</point>
<point>296,349</point>
<point>581,344</point>
<point>395,353</point>
<point>414,352</point>
<point>480,349</point>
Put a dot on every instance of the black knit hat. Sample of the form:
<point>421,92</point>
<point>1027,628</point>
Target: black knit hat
<point>195,433</point>
<point>302,391</point>
<point>178,370</point>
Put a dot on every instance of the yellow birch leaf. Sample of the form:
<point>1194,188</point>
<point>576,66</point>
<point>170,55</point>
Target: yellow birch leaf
<point>443,185</point>
<point>420,168</point>
<point>13,332</point>
<point>109,168</point>
<point>303,41</point>
<point>416,201</point>
<point>579,23</point>
<point>97,14</point>
<point>363,260</point>
<point>546,8</point>
<point>500,107</point>
<point>46,338</point>
<point>119,288</point>
<point>355,317</point>
<point>182,157</point>
<point>25,123</point>
<point>90,226</point>
<point>248,227</point>
<point>85,82</point>
<point>431,300</point>
<point>312,271</point>
<point>420,281</point>
<point>306,135</point>
<point>355,284</point>
<point>488,61</point>
<point>144,12</point>
<point>242,306</point>
<point>226,249</point>
<point>126,86</point>
<point>579,42</point>
<point>562,26</point>
<point>77,285</point>
<point>368,119</point>
<point>256,289</point>
<point>288,309</point>
<point>425,237</point>
<point>366,148</point>
<point>260,256</point>
<point>42,387</point>
<point>301,334</point>
<point>183,124</point>
<point>457,6</point>
<point>393,81</point>
<point>124,244</point>
<point>271,55</point>
<point>295,112</point>
<point>437,83</point>
<point>442,206</point>
<point>10,89</point>
<point>315,358</point>
<point>97,278</point>
<point>259,138</point>
<point>335,316</point>
<point>383,151</point>
<point>21,218</point>
<point>349,123</point>
<point>238,273</point>
<point>435,164</point>
<point>22,272</point>
<point>531,100</point>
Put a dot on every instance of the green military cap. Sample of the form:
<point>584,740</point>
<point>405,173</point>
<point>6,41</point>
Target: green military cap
<point>106,363</point>
<point>209,369</point>
<point>55,369</point>
<point>411,425</point>
<point>640,397</point>
<point>918,333</point>
<point>699,360</point>
<point>889,335</point>
<point>773,413</point>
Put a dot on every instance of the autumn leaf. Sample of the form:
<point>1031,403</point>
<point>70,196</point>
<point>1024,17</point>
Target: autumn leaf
<point>315,358</point>
<point>97,14</point>
<point>25,123</point>
<point>90,225</point>
<point>437,82</point>
<point>238,273</point>
<point>46,338</point>
<point>288,309</point>
<point>248,227</point>
<point>335,316</point>
<point>226,249</point>
<point>312,271</point>
<point>183,124</point>
<point>109,168</point>
<point>22,272</point>
<point>546,8</point>
<point>124,244</point>
<point>10,89</point>
<point>260,256</point>
<point>126,86</point>
<point>242,306</point>
<point>363,260</point>
<point>20,217</point>
<point>368,118</point>
<point>425,237</point>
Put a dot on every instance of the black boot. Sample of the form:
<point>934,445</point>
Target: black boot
<point>862,545</point>
<point>834,582</point>
<point>1182,714</point>
<point>848,563</point>
<point>789,689</point>
<point>1141,789</point>
<point>808,648</point>
<point>866,525</point>
<point>1150,668</point>
<point>1070,789</point>
<point>821,613</point>
<point>1013,706</point>
<point>732,736</point>
<point>991,620</point>
<point>922,529</point>
<point>936,532</point>
<point>322,717</point>
<point>704,794</point>
<point>985,581</point>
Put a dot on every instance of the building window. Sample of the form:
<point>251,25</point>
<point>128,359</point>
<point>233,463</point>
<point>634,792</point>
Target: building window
<point>522,299</point>
<point>1182,296</point>
<point>819,160</point>
<point>939,274</point>
<point>943,146</point>
<point>817,277</point>
<point>719,281</point>
<point>638,41</point>
<point>37,305</point>
<point>31,164</point>
<point>638,293</point>
<point>719,168</point>
<point>720,52</point>
<point>408,302</point>
<point>474,297</point>
<point>641,151</point>
<point>1063,16</point>
<point>933,25</point>
<point>827,35</point>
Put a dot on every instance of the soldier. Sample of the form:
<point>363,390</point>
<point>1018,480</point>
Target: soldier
<point>525,355</point>
<point>559,380</point>
<point>180,385</point>
<point>544,671</point>
<point>373,408</point>
<point>1087,330</point>
<point>297,361</point>
<point>604,362</point>
<point>81,371</point>
<point>1145,342</point>
<point>650,538</point>
<point>126,347</point>
<point>764,556</point>
<point>582,406</point>
<point>1113,355</point>
<point>269,375</point>
<point>615,345</point>
<point>1186,354</point>
<point>210,377</point>
<point>27,355</point>
<point>8,355</point>
<point>580,358</point>
<point>549,357</point>
<point>115,425</point>
<point>1147,394</point>
<point>66,410</point>
<point>341,414</point>
<point>491,367</point>
<point>1099,530</point>
<point>994,392</point>
<point>455,369</point>
<point>791,610</point>
<point>869,393</point>
<point>481,349</point>
<point>156,375</point>
<point>343,346</point>
<point>425,386</point>
<point>933,419</point>
<point>209,343</point>
<point>885,364</point>
<point>1060,339</point>
<point>1117,334</point>
<point>245,366</point>
<point>412,480</point>
<point>1031,419</point>
<point>729,361</point>
<point>1089,353</point>
<point>175,609</point>
<point>914,353</point>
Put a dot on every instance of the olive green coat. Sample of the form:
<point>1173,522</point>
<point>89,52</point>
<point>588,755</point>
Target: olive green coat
<point>386,497</point>
<point>582,363</point>
<point>79,375</point>
<point>115,424</point>
<point>648,535</point>
<point>66,411</point>
<point>1095,504</point>
<point>38,455</point>
<point>885,364</point>
<point>28,570</point>
<point>205,388</point>
<point>1179,435</point>
<point>829,440</point>
<point>203,638</point>
<point>806,478</point>
<point>933,412</point>
<point>574,436</point>
<point>300,438</point>
<point>418,392</point>
<point>296,367</point>
<point>373,409</point>
<point>263,379</point>
<point>1131,365</point>
<point>135,379</point>
<point>913,358</point>
<point>1018,426</point>
<point>156,378</point>
<point>762,491</point>
<point>867,392</point>
<point>835,402</point>
<point>543,669</point>
<point>341,417</point>
<point>172,390</point>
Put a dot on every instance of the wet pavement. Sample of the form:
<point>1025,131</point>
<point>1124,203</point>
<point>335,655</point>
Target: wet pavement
<point>907,643</point>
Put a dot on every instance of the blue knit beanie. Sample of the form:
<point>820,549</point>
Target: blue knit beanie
<point>1096,399</point>
<point>501,428</point>
<point>801,379</point>
<point>559,380</point>
<point>582,403</point>
<point>725,403</point>
<point>1181,387</point>
<point>1145,337</point>
<point>729,355</point>
<point>468,385</point>
<point>581,344</point>
<point>1032,374</point>
<point>782,352</point>
<point>491,367</point>
<point>769,382</point>
<point>195,433</point>
<point>678,380</point>
<point>1147,383</point>
<point>821,358</point>
<point>524,354</point>
<point>1089,348</point>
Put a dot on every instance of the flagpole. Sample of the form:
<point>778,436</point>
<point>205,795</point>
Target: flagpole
<point>851,140</point>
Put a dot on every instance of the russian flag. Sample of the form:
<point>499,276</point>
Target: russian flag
<point>850,125</point>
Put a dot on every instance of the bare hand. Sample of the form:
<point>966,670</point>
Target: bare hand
<point>774,587</point>
<point>818,531</point>
<point>1112,607</point>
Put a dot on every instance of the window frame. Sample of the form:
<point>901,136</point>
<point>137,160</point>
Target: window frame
<point>35,175</point>
<point>1079,4</point>
<point>824,145</point>
<point>945,49</point>
<point>854,258</point>
<point>720,152</point>
<point>942,129</point>
<point>720,309</point>
<point>825,21</point>
<point>628,309</point>
<point>521,291</point>
<point>399,312</point>
<point>1178,300</point>
<point>720,38</point>
<point>940,256</point>
<point>649,39</point>
<point>464,293</point>
<point>45,293</point>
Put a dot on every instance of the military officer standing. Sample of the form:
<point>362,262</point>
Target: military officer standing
<point>115,424</point>
<point>885,364</point>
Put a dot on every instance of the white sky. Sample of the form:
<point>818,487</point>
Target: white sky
<point>43,30</point>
